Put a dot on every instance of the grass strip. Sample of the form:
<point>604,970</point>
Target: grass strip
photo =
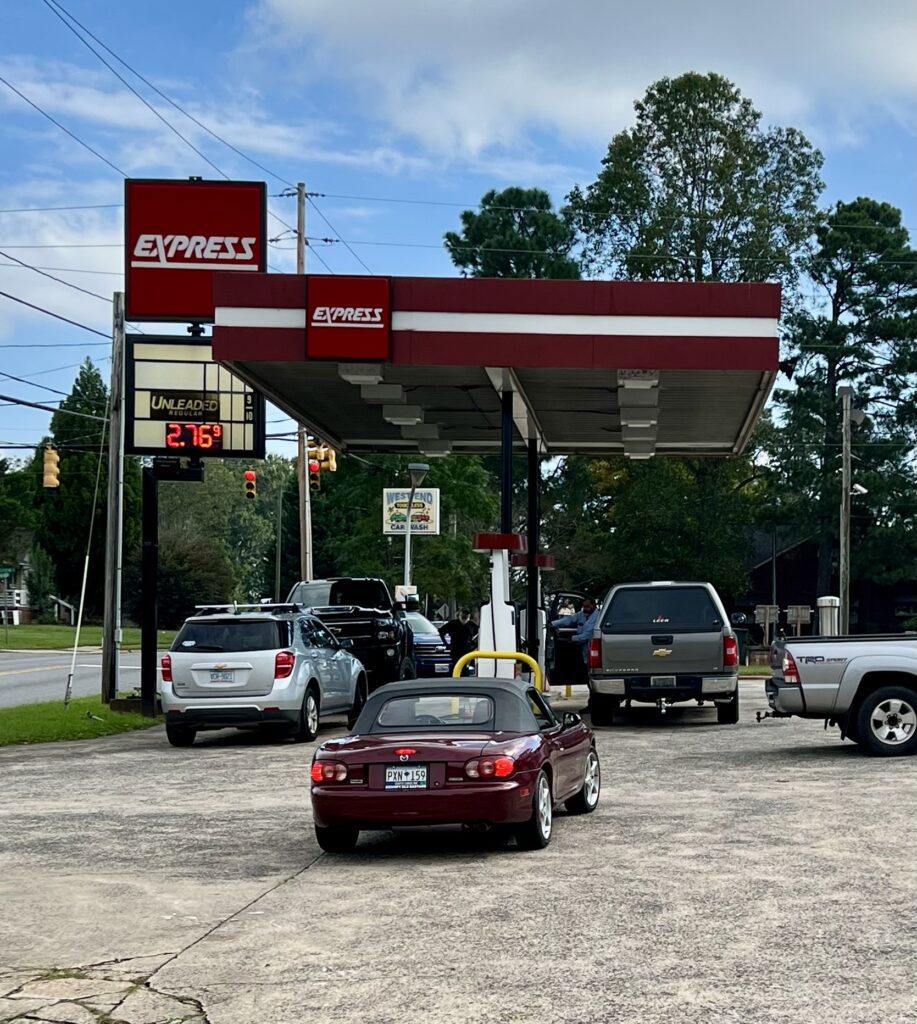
<point>60,638</point>
<point>51,722</point>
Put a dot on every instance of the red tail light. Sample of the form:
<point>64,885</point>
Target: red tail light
<point>490,768</point>
<point>405,751</point>
<point>790,670</point>
<point>730,652</point>
<point>283,664</point>
<point>166,668</point>
<point>329,771</point>
<point>595,652</point>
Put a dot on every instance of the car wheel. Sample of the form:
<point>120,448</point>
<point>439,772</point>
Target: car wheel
<point>337,838</point>
<point>359,699</point>
<point>307,729</point>
<point>887,722</point>
<point>535,834</point>
<point>602,708</point>
<point>180,737</point>
<point>587,799</point>
<point>728,714</point>
<point>407,670</point>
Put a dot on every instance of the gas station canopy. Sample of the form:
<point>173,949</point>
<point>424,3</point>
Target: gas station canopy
<point>426,364</point>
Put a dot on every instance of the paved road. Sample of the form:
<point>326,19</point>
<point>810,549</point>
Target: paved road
<point>29,677</point>
<point>741,874</point>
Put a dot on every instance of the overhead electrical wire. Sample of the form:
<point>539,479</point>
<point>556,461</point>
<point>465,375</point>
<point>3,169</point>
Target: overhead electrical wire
<point>57,316</point>
<point>13,400</point>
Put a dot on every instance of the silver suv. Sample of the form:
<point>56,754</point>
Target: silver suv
<point>660,643</point>
<point>257,667</point>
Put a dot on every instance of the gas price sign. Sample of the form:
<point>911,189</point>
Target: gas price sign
<point>179,402</point>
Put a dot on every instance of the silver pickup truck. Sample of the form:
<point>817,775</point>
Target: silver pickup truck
<point>661,643</point>
<point>867,685</point>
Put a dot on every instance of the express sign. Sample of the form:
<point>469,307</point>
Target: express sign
<point>179,233</point>
<point>348,318</point>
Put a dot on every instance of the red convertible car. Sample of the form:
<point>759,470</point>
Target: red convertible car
<point>457,751</point>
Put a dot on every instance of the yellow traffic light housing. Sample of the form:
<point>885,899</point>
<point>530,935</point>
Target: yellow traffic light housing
<point>328,460</point>
<point>51,468</point>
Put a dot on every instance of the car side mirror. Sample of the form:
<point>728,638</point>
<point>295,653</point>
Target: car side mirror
<point>570,719</point>
<point>398,606</point>
<point>346,643</point>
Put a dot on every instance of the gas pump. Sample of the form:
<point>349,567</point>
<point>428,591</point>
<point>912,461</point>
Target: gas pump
<point>499,626</point>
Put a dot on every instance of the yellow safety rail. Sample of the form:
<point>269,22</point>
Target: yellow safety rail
<point>501,656</point>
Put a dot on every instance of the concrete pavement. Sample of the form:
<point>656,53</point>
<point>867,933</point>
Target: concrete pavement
<point>743,873</point>
<point>29,677</point>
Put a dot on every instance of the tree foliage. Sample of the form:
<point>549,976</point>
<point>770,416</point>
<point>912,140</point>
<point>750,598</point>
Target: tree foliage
<point>699,190</point>
<point>41,584</point>
<point>514,233</point>
<point>193,570</point>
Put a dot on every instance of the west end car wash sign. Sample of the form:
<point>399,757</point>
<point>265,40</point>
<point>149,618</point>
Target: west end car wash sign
<point>178,234</point>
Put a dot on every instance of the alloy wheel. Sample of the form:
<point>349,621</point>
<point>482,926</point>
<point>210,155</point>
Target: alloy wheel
<point>592,783</point>
<point>893,721</point>
<point>544,809</point>
<point>311,713</point>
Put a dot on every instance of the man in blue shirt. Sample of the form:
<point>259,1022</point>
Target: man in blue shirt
<point>584,621</point>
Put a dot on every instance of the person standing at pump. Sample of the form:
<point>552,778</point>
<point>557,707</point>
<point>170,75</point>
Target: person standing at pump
<point>461,632</point>
<point>584,621</point>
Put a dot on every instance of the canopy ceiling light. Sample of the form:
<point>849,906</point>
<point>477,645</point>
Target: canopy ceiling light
<point>381,394</point>
<point>360,373</point>
<point>402,415</point>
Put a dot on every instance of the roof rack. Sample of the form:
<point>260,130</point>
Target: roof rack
<point>236,608</point>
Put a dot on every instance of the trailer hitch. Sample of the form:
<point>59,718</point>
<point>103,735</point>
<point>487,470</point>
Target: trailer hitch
<point>759,717</point>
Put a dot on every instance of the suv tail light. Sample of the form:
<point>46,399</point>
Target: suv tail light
<point>790,670</point>
<point>166,668</point>
<point>490,768</point>
<point>730,652</point>
<point>595,652</point>
<point>329,771</point>
<point>283,664</point>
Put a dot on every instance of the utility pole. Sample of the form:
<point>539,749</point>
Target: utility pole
<point>846,396</point>
<point>111,649</point>
<point>277,543</point>
<point>305,496</point>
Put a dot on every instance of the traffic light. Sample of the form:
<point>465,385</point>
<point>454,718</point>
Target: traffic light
<point>51,477</point>
<point>327,460</point>
<point>251,484</point>
<point>315,475</point>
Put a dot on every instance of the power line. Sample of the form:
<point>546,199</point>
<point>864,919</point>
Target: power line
<point>57,316</point>
<point>22,380</point>
<point>51,277</point>
<point>47,408</point>
<point>67,131</point>
<point>67,245</point>
<point>55,209</point>
<point>61,270</point>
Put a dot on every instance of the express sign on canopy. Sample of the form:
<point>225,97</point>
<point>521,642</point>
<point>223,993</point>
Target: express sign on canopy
<point>178,234</point>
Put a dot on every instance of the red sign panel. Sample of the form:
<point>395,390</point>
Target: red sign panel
<point>348,318</point>
<point>179,233</point>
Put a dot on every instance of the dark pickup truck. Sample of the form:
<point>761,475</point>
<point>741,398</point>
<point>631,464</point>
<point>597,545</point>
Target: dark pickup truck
<point>363,612</point>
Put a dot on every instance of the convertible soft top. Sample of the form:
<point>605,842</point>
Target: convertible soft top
<point>511,708</point>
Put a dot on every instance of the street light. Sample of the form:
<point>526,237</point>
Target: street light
<point>418,471</point>
<point>848,415</point>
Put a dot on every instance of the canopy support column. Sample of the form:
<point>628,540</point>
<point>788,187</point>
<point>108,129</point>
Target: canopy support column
<point>506,463</point>
<point>533,527</point>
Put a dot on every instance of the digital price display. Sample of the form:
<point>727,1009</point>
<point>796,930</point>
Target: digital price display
<point>180,403</point>
<point>195,437</point>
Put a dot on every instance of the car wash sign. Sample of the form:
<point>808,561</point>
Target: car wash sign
<point>178,234</point>
<point>424,511</point>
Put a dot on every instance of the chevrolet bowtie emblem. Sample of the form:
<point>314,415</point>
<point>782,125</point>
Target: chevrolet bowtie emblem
<point>661,652</point>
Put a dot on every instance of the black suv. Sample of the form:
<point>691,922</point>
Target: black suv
<point>362,611</point>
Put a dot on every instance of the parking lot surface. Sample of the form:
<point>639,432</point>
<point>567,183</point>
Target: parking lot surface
<point>731,873</point>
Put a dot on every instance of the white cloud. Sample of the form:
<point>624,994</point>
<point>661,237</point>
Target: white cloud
<point>473,75</point>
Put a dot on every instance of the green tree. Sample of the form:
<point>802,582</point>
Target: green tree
<point>514,233</point>
<point>858,329</point>
<point>65,515</point>
<point>41,584</point>
<point>699,190</point>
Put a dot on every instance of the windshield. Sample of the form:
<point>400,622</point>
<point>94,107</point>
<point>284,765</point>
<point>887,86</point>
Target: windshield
<point>455,710</point>
<point>363,593</point>
<point>260,635</point>
<point>662,610</point>
<point>421,624</point>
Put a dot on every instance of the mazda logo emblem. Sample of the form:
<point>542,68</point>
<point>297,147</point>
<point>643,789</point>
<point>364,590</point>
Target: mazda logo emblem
<point>402,757</point>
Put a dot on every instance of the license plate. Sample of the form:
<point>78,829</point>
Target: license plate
<point>662,680</point>
<point>221,677</point>
<point>440,668</point>
<point>414,777</point>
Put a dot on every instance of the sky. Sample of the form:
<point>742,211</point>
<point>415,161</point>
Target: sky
<point>400,114</point>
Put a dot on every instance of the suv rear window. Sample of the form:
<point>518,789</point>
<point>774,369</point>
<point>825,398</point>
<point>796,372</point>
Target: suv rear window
<point>363,593</point>
<point>260,635</point>
<point>662,610</point>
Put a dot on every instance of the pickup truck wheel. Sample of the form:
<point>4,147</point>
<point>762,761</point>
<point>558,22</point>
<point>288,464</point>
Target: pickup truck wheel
<point>407,670</point>
<point>887,721</point>
<point>728,714</point>
<point>602,709</point>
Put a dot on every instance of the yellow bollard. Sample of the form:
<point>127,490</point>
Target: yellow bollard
<point>500,656</point>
